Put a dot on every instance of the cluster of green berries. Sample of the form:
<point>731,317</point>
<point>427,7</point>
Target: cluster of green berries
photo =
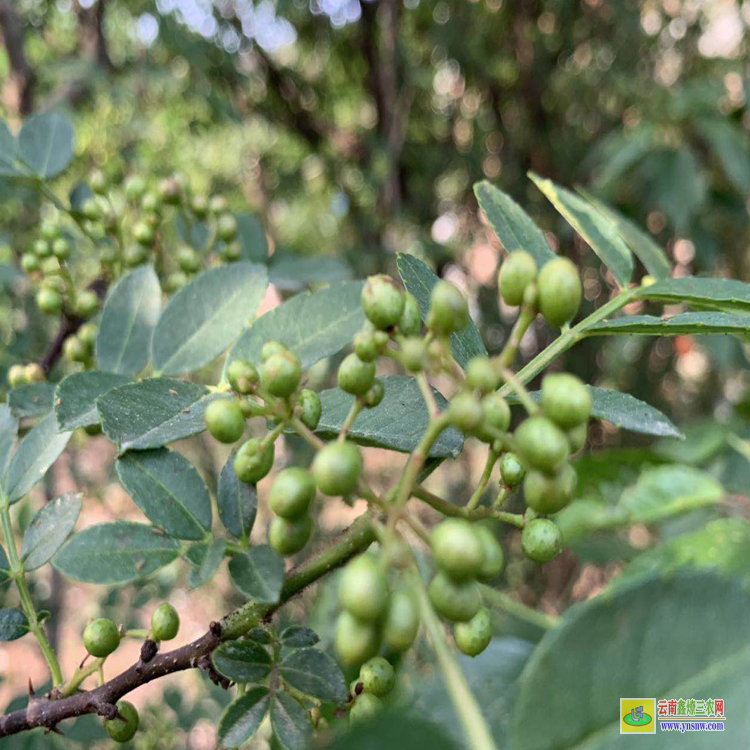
<point>464,554</point>
<point>19,374</point>
<point>80,346</point>
<point>376,679</point>
<point>101,637</point>
<point>555,291</point>
<point>372,615</point>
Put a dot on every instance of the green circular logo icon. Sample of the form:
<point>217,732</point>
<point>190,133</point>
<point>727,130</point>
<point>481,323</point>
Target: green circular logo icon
<point>643,721</point>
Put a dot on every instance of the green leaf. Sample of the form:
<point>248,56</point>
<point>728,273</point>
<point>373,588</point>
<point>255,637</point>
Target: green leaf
<point>705,323</point>
<point>168,490</point>
<point>728,142</point>
<point>292,272</point>
<point>258,574</point>
<point>153,412</point>
<point>49,529</point>
<point>46,143</point>
<point>205,559</point>
<point>593,226</point>
<point>314,673</point>
<point>123,343</point>
<point>298,636</point>
<point>242,717</point>
<point>677,184</point>
<point>397,423</point>
<point>641,243</point>
<point>237,501</point>
<point>196,235</point>
<point>727,295</point>
<point>419,280</point>
<point>4,566</point>
<point>206,316</point>
<point>37,451</point>
<point>32,400</point>
<point>8,152</point>
<point>659,493</point>
<point>681,637</point>
<point>8,436</point>
<point>252,238</point>
<point>13,624</point>
<point>75,397</point>
<point>290,723</point>
<point>511,223</point>
<point>242,661</point>
<point>629,413</point>
<point>721,547</point>
<point>117,552</point>
<point>312,325</point>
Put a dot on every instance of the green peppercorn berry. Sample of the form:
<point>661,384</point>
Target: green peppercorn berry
<point>34,373</point>
<point>143,233</point>
<point>549,494</point>
<point>270,348</point>
<point>199,205</point>
<point>377,676</point>
<point>61,248</point>
<point>448,309</point>
<point>401,620</point>
<point>151,203</point>
<point>516,273</point>
<point>474,636</point>
<point>512,470</point>
<point>410,323</point>
<point>308,408</point>
<point>176,281</point>
<point>381,340</point>
<point>355,376</point>
<point>74,350</point>
<point>87,334</point>
<point>91,209</point>
<point>457,601</point>
<point>87,303</point>
<point>374,394</point>
<point>365,707</point>
<point>559,291</point>
<point>565,400</point>
<point>50,267</point>
<point>291,493</point>
<point>577,437</point>
<point>288,537</point>
<point>541,540</point>
<point>252,462</point>
<point>224,420</point>
<point>108,255</point>
<point>382,301</point>
<point>495,417</point>
<point>29,262</point>
<point>413,354</point>
<point>165,622</point>
<point>16,376</point>
<point>42,249</point>
<point>355,640</point>
<point>226,227</point>
<point>170,190</point>
<point>541,444</point>
<point>50,230</point>
<point>457,549</point>
<point>135,187</point>
<point>482,375</point>
<point>49,301</point>
<point>465,412</point>
<point>363,589</point>
<point>364,345</point>
<point>100,637</point>
<point>218,204</point>
<point>242,376</point>
<point>188,260</point>
<point>337,468</point>
<point>123,727</point>
<point>231,252</point>
<point>281,373</point>
<point>98,181</point>
<point>494,559</point>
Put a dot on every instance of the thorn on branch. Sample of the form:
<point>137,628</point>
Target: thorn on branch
<point>54,728</point>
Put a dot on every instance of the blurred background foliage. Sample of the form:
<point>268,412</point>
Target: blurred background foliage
<point>355,129</point>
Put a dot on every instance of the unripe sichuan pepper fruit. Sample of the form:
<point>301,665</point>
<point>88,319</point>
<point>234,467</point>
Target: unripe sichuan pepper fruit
<point>457,549</point>
<point>253,461</point>
<point>516,273</point>
<point>287,536</point>
<point>448,309</point>
<point>355,376</point>
<point>474,636</point>
<point>291,493</point>
<point>101,637</point>
<point>382,301</point>
<point>541,540</point>
<point>355,640</point>
<point>225,421</point>
<point>363,590</point>
<point>456,601</point>
<point>337,468</point>
<point>560,291</point>
<point>165,622</point>
<point>123,727</point>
